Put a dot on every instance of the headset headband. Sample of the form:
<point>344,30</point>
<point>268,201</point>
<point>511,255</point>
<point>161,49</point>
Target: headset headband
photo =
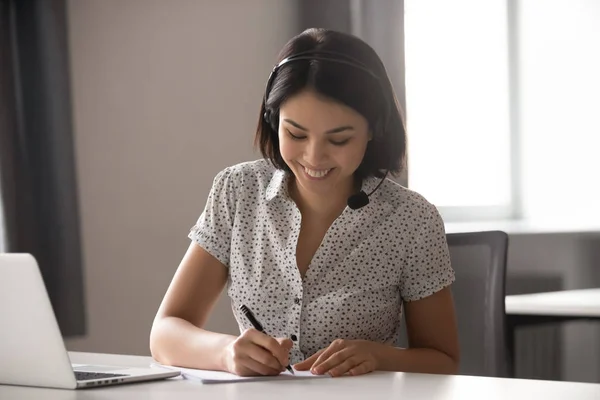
<point>319,55</point>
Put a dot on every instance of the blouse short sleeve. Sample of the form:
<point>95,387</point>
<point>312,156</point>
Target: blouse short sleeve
<point>428,268</point>
<point>213,229</point>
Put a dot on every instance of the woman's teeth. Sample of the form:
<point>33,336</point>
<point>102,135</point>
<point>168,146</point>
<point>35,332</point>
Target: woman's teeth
<point>316,173</point>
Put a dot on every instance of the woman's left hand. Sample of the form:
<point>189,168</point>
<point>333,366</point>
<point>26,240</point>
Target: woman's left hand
<point>354,357</point>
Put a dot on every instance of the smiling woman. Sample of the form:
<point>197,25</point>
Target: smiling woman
<point>326,276</point>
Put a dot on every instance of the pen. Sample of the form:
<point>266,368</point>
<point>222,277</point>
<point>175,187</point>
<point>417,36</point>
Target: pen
<point>258,326</point>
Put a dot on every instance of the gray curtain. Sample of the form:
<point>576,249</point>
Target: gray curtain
<point>380,23</point>
<point>38,188</point>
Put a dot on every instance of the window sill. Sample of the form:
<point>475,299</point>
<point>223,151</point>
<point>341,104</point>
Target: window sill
<point>526,227</point>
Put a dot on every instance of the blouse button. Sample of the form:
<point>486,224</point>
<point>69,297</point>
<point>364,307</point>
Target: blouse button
<point>297,300</point>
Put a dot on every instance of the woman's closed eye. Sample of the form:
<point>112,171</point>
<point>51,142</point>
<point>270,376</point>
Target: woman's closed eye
<point>334,142</point>
<point>295,137</point>
<point>339,142</point>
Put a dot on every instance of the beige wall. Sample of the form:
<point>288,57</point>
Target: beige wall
<point>165,93</point>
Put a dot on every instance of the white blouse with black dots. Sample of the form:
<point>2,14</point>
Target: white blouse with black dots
<point>370,260</point>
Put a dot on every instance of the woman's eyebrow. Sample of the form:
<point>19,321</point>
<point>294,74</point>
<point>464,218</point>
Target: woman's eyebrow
<point>334,130</point>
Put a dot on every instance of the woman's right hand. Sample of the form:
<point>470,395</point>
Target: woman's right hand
<point>254,353</point>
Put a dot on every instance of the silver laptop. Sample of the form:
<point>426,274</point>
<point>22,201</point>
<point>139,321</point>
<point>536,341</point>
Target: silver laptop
<point>32,351</point>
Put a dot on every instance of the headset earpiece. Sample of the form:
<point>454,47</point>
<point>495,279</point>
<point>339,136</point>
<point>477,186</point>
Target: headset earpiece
<point>270,120</point>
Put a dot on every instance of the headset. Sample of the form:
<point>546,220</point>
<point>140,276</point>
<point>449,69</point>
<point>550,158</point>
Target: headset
<point>359,199</point>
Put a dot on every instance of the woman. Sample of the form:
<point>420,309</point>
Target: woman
<point>314,239</point>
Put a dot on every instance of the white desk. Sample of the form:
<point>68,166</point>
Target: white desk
<point>377,385</point>
<point>567,303</point>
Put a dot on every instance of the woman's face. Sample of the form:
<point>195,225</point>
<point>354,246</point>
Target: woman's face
<point>322,141</point>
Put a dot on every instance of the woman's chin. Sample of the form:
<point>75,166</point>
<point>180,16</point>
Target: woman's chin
<point>328,187</point>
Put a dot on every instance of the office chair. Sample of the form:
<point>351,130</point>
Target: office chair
<point>479,261</point>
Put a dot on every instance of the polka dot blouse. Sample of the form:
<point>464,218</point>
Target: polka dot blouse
<point>369,262</point>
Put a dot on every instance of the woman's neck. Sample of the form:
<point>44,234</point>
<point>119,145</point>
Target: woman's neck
<point>322,206</point>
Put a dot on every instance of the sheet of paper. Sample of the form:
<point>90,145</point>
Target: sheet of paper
<point>206,376</point>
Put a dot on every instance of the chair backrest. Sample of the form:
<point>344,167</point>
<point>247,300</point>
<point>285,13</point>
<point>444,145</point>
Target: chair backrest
<point>479,261</point>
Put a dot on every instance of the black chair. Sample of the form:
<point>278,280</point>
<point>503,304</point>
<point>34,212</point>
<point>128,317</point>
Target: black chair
<point>479,260</point>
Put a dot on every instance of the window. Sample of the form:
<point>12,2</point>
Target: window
<point>502,103</point>
<point>457,91</point>
<point>559,68</point>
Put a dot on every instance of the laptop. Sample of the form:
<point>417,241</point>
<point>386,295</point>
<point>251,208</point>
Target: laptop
<point>32,351</point>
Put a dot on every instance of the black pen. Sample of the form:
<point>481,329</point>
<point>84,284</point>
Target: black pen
<point>257,325</point>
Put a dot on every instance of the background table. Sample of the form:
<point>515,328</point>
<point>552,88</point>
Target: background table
<point>548,308</point>
<point>561,305</point>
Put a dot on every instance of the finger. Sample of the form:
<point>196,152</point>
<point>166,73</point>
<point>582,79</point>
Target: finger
<point>285,343</point>
<point>259,368</point>
<point>363,368</point>
<point>244,353</point>
<point>308,363</point>
<point>241,370</point>
<point>271,345</point>
<point>329,351</point>
<point>264,357</point>
<point>333,361</point>
<point>343,367</point>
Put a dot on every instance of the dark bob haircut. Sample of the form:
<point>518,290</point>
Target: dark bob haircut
<point>355,77</point>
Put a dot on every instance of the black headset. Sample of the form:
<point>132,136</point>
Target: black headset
<point>359,199</point>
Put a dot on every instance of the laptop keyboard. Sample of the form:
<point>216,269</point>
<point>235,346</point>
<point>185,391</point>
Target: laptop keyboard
<point>88,376</point>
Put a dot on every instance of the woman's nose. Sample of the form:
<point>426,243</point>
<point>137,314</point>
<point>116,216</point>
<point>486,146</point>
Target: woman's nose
<point>315,153</point>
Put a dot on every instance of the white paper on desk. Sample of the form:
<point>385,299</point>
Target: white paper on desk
<point>206,376</point>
